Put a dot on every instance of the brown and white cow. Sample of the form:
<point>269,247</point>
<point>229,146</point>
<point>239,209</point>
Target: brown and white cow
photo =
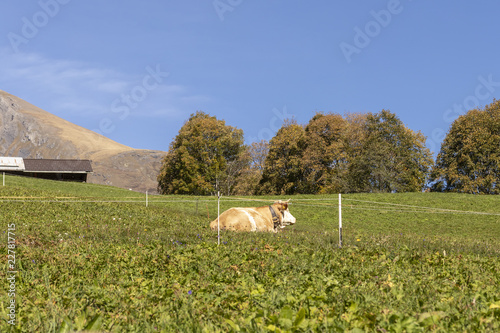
<point>255,218</point>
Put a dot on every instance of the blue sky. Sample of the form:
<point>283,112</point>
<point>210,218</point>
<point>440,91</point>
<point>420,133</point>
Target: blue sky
<point>135,70</point>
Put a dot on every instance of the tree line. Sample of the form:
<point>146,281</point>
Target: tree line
<point>372,152</point>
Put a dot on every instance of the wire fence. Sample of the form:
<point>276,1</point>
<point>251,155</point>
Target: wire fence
<point>347,203</point>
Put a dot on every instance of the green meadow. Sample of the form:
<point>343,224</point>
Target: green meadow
<point>95,258</point>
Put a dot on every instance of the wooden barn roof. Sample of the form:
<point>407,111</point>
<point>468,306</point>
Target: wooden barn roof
<point>57,165</point>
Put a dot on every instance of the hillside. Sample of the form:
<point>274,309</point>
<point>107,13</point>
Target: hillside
<point>94,258</point>
<point>30,132</point>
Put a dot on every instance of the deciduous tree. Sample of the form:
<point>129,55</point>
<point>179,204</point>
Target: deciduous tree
<point>202,158</point>
<point>283,173</point>
<point>469,158</point>
<point>324,160</point>
<point>393,158</point>
<point>253,158</point>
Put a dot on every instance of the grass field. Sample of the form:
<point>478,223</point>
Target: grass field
<point>95,258</point>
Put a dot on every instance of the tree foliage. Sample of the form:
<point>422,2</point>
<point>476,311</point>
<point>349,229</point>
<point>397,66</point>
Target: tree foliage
<point>331,154</point>
<point>283,172</point>
<point>253,157</point>
<point>359,153</point>
<point>469,158</point>
<point>393,158</point>
<point>324,159</point>
<point>204,157</point>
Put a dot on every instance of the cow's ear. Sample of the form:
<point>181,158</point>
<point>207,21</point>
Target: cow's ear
<point>284,206</point>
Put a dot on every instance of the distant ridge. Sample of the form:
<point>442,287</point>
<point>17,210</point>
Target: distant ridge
<point>30,132</point>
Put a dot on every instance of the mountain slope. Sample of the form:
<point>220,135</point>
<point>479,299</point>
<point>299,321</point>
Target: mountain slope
<point>30,132</point>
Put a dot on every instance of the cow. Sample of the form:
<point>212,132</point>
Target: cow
<point>266,218</point>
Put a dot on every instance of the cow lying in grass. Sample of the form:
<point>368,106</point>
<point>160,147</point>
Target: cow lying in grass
<point>266,218</point>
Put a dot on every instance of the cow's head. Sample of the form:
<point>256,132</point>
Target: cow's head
<point>287,217</point>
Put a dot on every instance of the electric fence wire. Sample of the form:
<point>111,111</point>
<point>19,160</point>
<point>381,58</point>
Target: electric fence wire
<point>320,202</point>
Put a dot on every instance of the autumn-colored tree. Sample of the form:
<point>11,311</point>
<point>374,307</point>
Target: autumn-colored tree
<point>202,158</point>
<point>253,159</point>
<point>230,180</point>
<point>283,173</point>
<point>469,158</point>
<point>361,153</point>
<point>324,160</point>
<point>392,157</point>
<point>258,152</point>
<point>353,141</point>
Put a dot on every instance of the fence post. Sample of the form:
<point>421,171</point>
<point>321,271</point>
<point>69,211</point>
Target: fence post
<point>340,220</point>
<point>218,213</point>
<point>4,178</point>
<point>146,198</point>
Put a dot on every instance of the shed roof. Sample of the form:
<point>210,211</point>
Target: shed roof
<point>57,165</point>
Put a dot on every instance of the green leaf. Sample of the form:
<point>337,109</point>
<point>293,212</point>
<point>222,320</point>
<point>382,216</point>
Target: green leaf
<point>299,319</point>
<point>66,325</point>
<point>356,330</point>
<point>286,313</point>
<point>427,319</point>
<point>232,324</point>
<point>273,319</point>
<point>95,324</point>
<point>495,305</point>
<point>80,321</point>
<point>272,328</point>
<point>286,323</point>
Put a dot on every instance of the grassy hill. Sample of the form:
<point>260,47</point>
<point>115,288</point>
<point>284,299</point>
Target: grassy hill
<point>95,257</point>
<point>30,132</point>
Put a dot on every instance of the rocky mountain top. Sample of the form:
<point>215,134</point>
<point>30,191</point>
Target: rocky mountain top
<point>30,132</point>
